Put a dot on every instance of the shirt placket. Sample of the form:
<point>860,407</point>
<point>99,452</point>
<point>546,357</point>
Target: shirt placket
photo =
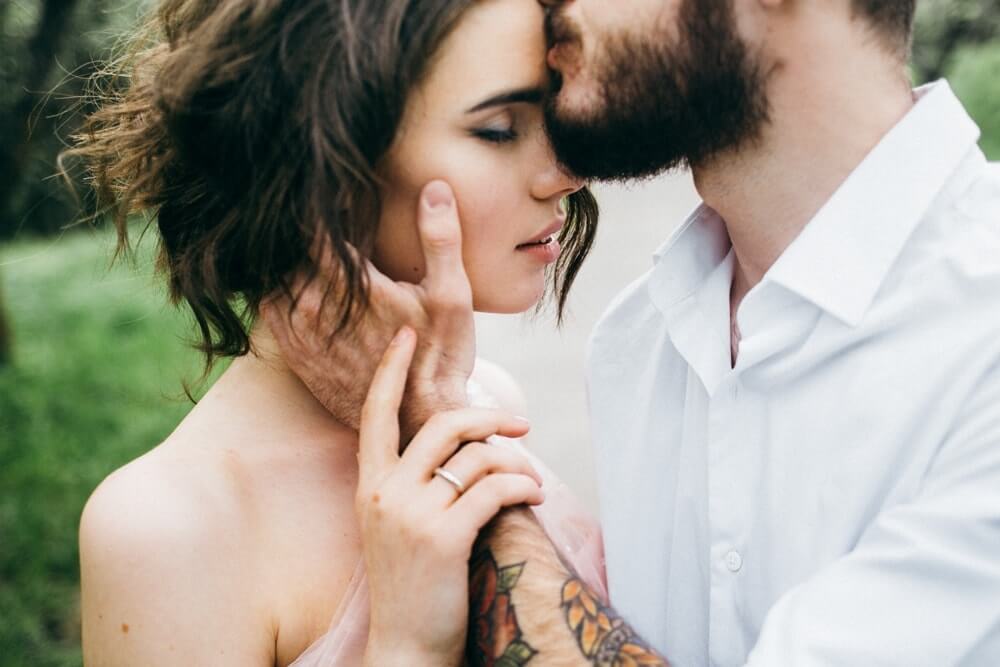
<point>726,507</point>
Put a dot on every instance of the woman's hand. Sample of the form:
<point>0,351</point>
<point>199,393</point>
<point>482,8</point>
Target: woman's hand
<point>418,527</point>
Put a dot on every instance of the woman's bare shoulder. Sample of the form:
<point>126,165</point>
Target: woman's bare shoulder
<point>163,576</point>
<point>218,537</point>
<point>169,494</point>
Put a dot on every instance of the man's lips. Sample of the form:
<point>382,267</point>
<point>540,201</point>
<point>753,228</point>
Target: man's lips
<point>546,236</point>
<point>562,56</point>
<point>564,39</point>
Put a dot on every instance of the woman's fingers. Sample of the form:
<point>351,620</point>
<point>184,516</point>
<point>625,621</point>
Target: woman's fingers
<point>482,502</point>
<point>379,436</point>
<point>444,433</point>
<point>474,462</point>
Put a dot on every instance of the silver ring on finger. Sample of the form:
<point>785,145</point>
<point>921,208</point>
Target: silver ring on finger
<point>451,478</point>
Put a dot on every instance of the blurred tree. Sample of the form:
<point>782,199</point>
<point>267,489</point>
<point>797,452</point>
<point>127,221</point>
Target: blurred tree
<point>27,75</point>
<point>5,343</point>
<point>47,52</point>
<point>48,49</point>
<point>945,26</point>
<point>33,71</point>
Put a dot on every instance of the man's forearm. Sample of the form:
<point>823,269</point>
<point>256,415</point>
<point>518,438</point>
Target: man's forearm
<point>528,607</point>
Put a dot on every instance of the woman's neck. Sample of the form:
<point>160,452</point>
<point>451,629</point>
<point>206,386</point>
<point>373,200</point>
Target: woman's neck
<point>265,384</point>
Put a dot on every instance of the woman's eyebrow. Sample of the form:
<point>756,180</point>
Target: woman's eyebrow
<point>517,96</point>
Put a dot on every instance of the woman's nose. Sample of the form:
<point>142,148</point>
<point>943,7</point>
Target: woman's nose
<point>555,182</point>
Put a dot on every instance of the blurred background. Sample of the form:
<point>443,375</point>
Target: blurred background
<point>93,361</point>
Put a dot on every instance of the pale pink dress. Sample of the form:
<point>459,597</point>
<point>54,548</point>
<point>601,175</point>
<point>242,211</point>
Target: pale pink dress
<point>574,531</point>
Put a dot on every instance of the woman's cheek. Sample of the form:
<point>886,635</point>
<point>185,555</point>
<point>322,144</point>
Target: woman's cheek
<point>493,224</point>
<point>485,206</point>
<point>491,201</point>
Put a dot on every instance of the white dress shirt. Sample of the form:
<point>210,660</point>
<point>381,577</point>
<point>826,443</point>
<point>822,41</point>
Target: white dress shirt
<point>835,498</point>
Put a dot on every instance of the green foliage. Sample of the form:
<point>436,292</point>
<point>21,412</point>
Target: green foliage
<point>975,75</point>
<point>960,40</point>
<point>943,27</point>
<point>96,381</point>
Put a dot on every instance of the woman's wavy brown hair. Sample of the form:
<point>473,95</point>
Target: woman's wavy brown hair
<point>253,130</point>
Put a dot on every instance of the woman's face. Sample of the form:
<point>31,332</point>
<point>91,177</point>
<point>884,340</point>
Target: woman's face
<point>476,122</point>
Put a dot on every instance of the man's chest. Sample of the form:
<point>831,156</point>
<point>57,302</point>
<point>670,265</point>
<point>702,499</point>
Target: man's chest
<point>773,451</point>
<point>717,503</point>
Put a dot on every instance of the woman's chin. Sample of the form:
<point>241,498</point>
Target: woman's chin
<point>512,302</point>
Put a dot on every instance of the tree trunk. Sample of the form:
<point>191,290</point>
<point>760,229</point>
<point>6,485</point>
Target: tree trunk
<point>42,49</point>
<point>5,338</point>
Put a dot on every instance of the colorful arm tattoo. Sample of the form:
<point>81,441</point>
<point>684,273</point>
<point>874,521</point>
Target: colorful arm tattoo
<point>602,636</point>
<point>496,638</point>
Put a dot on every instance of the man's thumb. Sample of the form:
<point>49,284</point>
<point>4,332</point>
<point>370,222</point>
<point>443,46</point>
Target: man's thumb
<point>441,236</point>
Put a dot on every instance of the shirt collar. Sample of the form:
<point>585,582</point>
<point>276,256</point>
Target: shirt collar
<point>689,257</point>
<point>843,255</point>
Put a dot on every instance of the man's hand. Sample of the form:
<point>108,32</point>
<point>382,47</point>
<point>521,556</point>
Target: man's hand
<point>338,371</point>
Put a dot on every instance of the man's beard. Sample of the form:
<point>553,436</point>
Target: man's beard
<point>663,106</point>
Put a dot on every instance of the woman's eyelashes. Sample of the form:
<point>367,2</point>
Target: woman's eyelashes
<point>495,135</point>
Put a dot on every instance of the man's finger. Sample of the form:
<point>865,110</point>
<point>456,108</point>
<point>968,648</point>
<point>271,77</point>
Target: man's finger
<point>441,239</point>
<point>379,438</point>
<point>326,261</point>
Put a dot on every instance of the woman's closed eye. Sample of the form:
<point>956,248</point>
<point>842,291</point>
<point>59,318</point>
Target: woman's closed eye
<point>495,134</point>
<point>500,128</point>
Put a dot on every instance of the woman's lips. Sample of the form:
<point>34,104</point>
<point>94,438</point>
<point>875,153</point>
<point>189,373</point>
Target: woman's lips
<point>545,235</point>
<point>547,251</point>
<point>545,246</point>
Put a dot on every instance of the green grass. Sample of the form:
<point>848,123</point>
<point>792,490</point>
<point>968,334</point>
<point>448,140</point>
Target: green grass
<point>975,76</point>
<point>97,379</point>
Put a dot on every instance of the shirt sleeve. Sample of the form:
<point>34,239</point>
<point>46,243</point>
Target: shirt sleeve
<point>922,587</point>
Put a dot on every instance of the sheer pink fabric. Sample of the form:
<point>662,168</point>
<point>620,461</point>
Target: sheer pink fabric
<point>574,532</point>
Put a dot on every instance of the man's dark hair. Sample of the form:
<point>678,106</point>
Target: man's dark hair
<point>893,19</point>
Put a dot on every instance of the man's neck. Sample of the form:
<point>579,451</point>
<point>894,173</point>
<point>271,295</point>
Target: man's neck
<point>827,114</point>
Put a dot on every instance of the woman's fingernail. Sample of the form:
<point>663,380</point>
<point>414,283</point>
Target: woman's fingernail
<point>523,419</point>
<point>438,195</point>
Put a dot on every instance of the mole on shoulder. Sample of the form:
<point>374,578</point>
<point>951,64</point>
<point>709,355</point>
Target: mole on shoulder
<point>125,628</point>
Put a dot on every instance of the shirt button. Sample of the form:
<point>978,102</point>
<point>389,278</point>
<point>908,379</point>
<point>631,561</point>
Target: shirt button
<point>734,561</point>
